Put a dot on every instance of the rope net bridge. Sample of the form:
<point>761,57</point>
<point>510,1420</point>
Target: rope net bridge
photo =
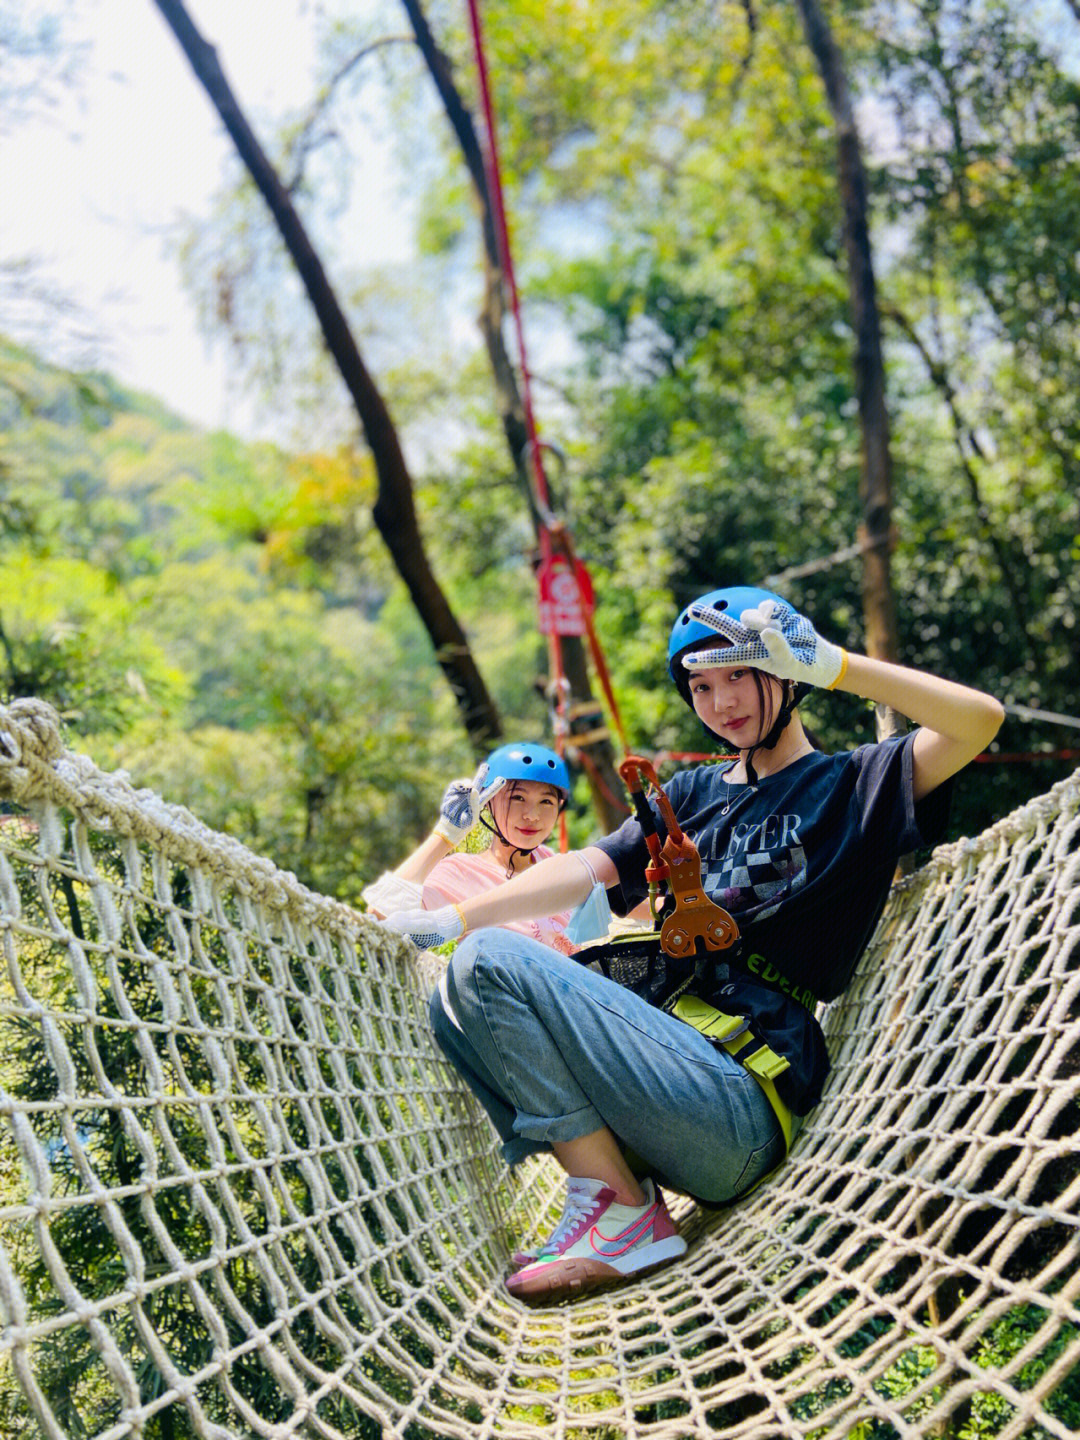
<point>241,1195</point>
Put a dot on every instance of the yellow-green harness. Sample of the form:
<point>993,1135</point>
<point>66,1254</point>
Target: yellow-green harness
<point>735,1035</point>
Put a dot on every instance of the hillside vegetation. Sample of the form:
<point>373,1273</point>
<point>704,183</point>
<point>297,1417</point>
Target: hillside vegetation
<point>157,587</point>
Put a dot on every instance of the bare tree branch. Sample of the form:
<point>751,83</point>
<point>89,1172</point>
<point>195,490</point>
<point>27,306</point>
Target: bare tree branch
<point>962,432</point>
<point>307,140</point>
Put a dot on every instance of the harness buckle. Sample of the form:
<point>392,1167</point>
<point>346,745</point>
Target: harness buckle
<point>766,1064</point>
<point>710,1021</point>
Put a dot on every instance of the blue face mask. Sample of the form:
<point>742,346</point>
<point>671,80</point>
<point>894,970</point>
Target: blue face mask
<point>592,917</point>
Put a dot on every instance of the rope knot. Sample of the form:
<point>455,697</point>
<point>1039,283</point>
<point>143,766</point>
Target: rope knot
<point>38,727</point>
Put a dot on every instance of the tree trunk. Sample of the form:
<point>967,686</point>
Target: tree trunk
<point>394,511</point>
<point>875,486</point>
<point>585,714</point>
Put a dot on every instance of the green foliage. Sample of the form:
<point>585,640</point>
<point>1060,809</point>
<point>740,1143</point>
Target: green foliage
<point>715,432</point>
<point>67,636</point>
<point>998,1348</point>
<point>214,618</point>
<point>678,241</point>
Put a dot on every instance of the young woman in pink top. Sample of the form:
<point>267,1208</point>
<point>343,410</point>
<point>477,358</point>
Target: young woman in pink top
<point>518,794</point>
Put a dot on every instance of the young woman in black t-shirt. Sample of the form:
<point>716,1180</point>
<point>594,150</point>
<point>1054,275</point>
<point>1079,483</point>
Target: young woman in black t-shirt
<point>799,847</point>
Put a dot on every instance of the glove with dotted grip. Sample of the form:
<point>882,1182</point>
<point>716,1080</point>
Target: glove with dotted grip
<point>427,928</point>
<point>462,803</point>
<point>772,637</point>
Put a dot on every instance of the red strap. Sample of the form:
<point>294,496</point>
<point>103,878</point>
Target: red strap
<point>560,536</point>
<point>503,236</point>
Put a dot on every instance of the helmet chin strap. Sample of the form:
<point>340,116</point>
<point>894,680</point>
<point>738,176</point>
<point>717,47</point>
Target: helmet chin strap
<point>769,741</point>
<point>490,823</point>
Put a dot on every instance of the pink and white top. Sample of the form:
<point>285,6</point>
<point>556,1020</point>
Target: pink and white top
<point>459,877</point>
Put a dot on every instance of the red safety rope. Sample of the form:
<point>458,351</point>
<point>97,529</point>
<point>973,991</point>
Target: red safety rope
<point>502,234</point>
<point>988,757</point>
<point>551,531</point>
<point>595,648</point>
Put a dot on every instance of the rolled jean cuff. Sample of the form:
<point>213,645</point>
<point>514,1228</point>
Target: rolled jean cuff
<point>518,1149</point>
<point>554,1129</point>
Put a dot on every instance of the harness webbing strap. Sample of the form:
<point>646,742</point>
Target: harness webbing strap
<point>735,1034</point>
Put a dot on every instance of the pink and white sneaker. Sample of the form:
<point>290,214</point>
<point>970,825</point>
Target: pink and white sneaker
<point>598,1241</point>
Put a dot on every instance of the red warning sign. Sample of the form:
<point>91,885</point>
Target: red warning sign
<point>566,597</point>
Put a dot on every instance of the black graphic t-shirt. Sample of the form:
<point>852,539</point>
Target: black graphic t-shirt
<point>803,862</point>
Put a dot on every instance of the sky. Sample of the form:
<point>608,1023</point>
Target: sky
<point>95,190</point>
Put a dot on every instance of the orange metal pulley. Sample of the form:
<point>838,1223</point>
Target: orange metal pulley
<point>677,862</point>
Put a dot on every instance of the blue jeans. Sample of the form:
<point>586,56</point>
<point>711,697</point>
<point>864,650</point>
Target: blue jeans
<point>554,1051</point>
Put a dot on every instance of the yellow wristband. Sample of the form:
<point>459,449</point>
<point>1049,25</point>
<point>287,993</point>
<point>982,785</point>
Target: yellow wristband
<point>843,670</point>
<point>461,917</point>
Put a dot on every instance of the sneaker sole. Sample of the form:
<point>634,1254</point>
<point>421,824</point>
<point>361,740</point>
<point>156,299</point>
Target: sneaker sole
<point>571,1277</point>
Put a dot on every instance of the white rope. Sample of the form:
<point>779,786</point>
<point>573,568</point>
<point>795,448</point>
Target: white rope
<point>1026,712</point>
<point>239,1190</point>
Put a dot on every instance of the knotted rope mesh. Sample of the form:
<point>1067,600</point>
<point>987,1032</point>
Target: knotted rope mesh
<point>241,1195</point>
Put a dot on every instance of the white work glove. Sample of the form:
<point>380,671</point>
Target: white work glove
<point>772,637</point>
<point>427,928</point>
<point>462,804</point>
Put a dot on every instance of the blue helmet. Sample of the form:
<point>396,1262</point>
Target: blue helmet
<point>690,634</point>
<point>523,760</point>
